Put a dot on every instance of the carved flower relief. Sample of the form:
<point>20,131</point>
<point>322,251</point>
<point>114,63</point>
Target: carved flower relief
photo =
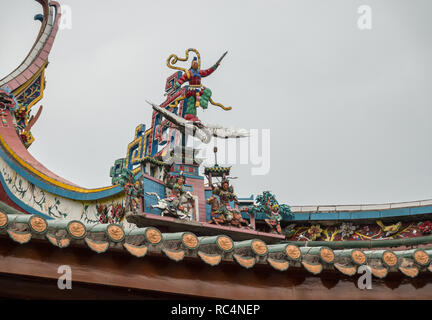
<point>314,232</point>
<point>347,229</point>
<point>425,227</point>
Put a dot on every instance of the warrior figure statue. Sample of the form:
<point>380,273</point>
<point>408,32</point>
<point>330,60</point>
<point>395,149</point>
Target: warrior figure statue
<point>274,219</point>
<point>176,183</point>
<point>268,205</point>
<point>226,194</point>
<point>179,203</point>
<point>194,96</point>
<point>134,192</point>
<point>197,94</point>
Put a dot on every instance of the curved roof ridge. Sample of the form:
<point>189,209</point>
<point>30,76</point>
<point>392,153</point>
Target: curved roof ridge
<point>38,54</point>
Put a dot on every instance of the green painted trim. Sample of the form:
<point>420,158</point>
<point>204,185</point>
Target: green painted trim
<point>280,247</point>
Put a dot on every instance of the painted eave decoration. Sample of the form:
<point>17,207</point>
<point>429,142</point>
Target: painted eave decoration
<point>213,250</point>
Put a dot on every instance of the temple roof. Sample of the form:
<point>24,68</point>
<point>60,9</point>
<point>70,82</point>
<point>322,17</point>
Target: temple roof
<point>214,250</point>
<point>38,55</point>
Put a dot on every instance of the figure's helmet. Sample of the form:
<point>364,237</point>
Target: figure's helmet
<point>194,61</point>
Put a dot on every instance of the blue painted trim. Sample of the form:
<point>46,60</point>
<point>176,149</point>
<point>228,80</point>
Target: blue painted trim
<point>38,17</point>
<point>360,215</point>
<point>21,204</point>
<point>58,190</point>
<point>208,194</point>
<point>250,198</point>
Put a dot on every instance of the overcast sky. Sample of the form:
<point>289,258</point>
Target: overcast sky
<point>349,110</point>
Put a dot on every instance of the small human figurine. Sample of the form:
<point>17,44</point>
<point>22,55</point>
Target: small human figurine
<point>179,200</point>
<point>226,194</point>
<point>217,216</point>
<point>197,94</point>
<point>133,193</point>
<point>176,183</point>
<point>274,219</point>
<point>268,205</point>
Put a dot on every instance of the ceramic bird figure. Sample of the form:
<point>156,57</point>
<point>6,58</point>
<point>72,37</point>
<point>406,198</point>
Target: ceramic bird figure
<point>389,230</point>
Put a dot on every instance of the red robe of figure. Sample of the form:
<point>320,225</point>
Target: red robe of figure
<point>196,94</point>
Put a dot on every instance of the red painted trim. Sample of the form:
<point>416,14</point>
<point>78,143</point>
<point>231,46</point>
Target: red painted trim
<point>213,226</point>
<point>4,198</point>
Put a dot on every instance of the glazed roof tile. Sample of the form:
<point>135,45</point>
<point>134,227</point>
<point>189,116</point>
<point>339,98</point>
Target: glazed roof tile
<point>212,250</point>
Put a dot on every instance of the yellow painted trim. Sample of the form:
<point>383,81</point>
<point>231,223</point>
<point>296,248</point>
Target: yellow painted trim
<point>45,177</point>
<point>174,104</point>
<point>136,141</point>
